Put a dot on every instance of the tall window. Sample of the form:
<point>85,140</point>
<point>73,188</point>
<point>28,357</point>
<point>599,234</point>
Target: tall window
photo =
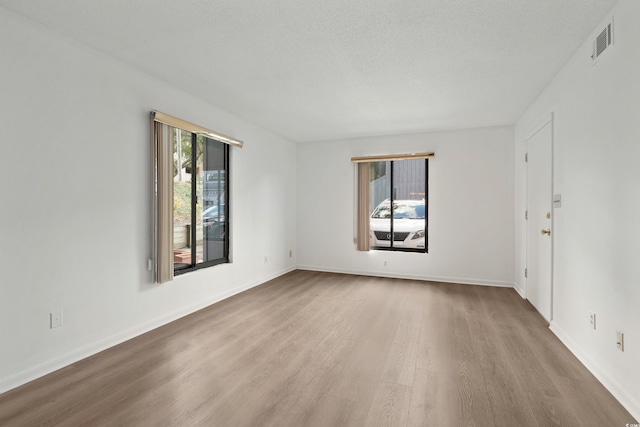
<point>200,201</point>
<point>191,203</point>
<point>393,203</point>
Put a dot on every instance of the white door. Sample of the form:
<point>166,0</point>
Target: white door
<point>539,214</point>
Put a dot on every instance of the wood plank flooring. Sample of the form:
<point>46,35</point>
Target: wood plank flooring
<point>321,349</point>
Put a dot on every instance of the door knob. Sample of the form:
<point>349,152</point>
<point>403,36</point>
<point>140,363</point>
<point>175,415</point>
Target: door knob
<point>547,232</point>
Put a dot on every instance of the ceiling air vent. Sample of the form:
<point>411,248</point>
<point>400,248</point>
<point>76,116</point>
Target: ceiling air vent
<point>603,41</point>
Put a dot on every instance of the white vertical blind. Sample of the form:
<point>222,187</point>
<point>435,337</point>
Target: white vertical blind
<point>362,239</point>
<point>164,202</point>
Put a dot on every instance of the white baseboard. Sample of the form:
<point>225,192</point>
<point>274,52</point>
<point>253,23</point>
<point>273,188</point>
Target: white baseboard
<point>95,347</point>
<point>520,290</point>
<point>626,399</point>
<point>446,279</point>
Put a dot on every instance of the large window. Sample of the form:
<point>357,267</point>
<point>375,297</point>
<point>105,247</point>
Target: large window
<point>393,203</point>
<point>191,197</point>
<point>200,201</point>
<point>398,205</point>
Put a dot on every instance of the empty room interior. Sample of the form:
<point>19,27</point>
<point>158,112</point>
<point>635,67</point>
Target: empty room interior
<point>327,213</point>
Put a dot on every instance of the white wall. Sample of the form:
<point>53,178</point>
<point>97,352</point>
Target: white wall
<point>597,230</point>
<point>75,208</point>
<point>470,207</point>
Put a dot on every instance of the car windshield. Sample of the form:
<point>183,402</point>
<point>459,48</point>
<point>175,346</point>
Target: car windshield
<point>402,209</point>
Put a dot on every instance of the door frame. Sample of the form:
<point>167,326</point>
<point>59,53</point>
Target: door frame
<point>549,119</point>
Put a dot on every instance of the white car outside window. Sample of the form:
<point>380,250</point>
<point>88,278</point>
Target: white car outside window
<point>408,224</point>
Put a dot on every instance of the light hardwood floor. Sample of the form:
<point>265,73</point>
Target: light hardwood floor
<point>321,349</point>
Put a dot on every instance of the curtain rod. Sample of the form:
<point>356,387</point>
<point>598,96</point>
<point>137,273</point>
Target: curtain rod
<point>390,157</point>
<point>182,124</point>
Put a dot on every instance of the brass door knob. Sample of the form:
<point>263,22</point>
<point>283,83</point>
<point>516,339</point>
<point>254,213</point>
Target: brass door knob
<point>547,232</point>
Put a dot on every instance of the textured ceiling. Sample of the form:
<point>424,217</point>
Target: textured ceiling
<point>318,70</point>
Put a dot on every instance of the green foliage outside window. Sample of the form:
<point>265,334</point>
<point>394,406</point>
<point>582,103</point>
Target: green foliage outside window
<point>182,202</point>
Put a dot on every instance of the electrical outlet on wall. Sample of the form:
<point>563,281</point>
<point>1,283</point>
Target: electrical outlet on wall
<point>620,340</point>
<point>55,319</point>
<point>592,320</point>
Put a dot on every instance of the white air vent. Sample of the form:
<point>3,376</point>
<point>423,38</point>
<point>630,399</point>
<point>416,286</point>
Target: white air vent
<point>603,41</point>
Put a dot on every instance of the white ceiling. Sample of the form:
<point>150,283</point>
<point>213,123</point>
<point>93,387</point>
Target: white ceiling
<point>330,69</point>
